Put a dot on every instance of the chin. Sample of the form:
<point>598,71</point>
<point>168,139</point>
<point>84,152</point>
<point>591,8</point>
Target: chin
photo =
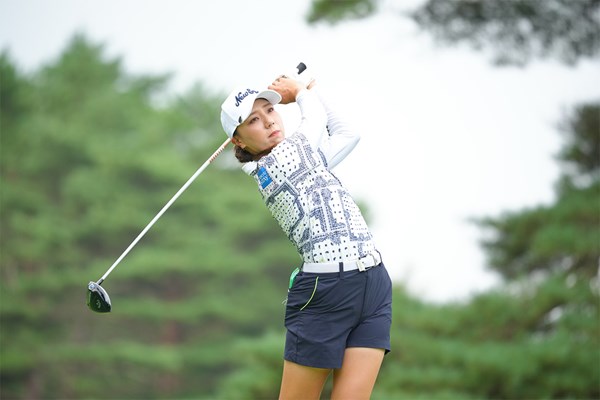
<point>277,140</point>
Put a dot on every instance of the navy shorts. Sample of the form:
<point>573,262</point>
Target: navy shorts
<point>327,313</point>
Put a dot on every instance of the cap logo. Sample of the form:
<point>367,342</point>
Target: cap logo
<point>241,96</point>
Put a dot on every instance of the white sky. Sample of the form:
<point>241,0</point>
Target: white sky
<point>445,135</point>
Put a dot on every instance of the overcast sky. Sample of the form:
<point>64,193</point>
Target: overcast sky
<point>446,136</point>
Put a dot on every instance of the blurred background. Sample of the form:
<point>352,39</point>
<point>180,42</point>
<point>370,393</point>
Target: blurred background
<point>478,170</point>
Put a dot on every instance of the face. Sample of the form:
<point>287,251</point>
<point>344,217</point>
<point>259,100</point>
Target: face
<point>261,131</point>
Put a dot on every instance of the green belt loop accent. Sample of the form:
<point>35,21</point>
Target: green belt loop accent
<point>293,277</point>
<point>312,295</point>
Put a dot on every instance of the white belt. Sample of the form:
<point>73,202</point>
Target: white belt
<point>362,264</point>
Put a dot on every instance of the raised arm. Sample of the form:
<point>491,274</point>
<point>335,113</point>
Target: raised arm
<point>313,117</point>
<point>340,139</point>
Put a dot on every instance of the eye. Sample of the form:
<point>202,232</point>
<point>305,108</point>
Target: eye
<point>252,120</point>
<point>271,109</point>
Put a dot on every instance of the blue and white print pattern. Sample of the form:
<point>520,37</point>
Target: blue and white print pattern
<point>311,205</point>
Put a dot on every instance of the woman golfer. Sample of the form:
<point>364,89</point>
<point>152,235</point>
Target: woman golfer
<point>338,311</point>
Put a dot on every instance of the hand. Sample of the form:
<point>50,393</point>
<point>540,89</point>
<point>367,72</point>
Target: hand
<point>288,88</point>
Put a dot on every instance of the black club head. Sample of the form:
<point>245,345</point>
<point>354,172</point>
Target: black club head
<point>97,298</point>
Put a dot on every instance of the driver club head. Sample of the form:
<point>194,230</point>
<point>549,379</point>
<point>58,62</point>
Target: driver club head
<point>97,298</point>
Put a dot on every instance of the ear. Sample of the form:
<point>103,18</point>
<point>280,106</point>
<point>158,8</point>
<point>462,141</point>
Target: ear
<point>236,141</point>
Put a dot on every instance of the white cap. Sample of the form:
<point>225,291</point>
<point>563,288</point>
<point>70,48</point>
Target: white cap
<point>238,105</point>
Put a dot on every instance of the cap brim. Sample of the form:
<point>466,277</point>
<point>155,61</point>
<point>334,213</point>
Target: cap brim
<point>232,116</point>
<point>270,95</point>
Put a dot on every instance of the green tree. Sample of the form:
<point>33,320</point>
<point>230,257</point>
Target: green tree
<point>579,156</point>
<point>517,30</point>
<point>538,336</point>
<point>89,154</point>
<point>336,11</point>
<point>549,254</point>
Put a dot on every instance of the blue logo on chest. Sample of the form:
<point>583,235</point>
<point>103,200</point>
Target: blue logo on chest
<point>263,177</point>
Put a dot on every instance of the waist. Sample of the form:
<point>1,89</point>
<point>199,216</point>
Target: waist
<point>362,264</point>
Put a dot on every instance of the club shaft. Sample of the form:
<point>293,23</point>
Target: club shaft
<point>165,208</point>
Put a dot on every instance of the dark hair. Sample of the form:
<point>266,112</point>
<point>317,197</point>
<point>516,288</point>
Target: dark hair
<point>242,155</point>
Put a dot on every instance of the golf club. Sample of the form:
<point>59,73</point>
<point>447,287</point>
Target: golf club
<point>97,297</point>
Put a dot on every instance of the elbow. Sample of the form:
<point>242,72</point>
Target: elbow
<point>352,142</point>
<point>322,118</point>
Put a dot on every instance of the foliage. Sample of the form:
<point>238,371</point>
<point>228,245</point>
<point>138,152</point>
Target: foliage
<point>88,158</point>
<point>579,155</point>
<point>336,11</point>
<point>500,345</point>
<point>89,154</point>
<point>550,254</point>
<point>517,30</point>
<point>543,240</point>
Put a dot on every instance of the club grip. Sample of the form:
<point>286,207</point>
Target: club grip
<point>304,77</point>
<point>301,67</point>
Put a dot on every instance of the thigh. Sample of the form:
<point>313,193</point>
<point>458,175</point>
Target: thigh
<point>301,382</point>
<point>356,378</point>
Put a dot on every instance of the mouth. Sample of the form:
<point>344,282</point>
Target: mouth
<point>274,134</point>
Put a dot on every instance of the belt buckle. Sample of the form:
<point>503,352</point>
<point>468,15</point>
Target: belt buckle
<point>373,259</point>
<point>360,265</point>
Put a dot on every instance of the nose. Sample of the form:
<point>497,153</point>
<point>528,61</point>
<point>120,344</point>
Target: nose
<point>270,123</point>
